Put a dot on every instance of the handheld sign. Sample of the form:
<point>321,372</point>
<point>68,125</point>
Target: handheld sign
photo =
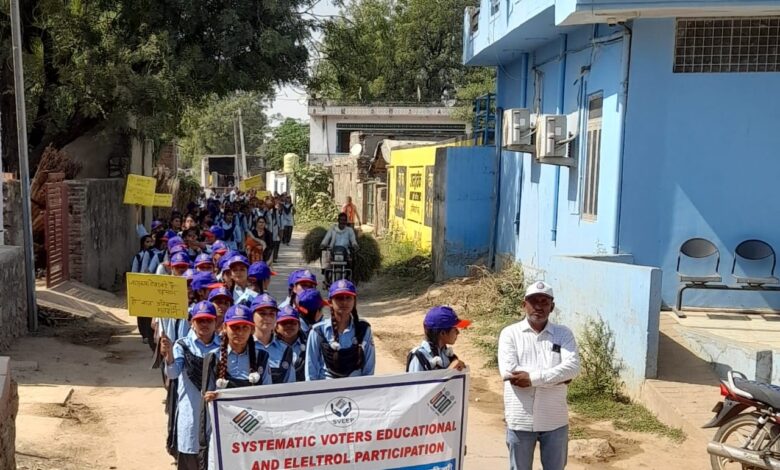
<point>140,190</point>
<point>255,182</point>
<point>149,295</point>
<point>163,200</point>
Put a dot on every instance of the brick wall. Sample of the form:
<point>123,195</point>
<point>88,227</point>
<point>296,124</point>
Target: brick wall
<point>13,307</point>
<point>77,201</point>
<point>349,174</point>
<point>12,213</point>
<point>9,407</point>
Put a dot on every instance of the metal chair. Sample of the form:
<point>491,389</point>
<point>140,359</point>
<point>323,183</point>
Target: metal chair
<point>699,248</point>
<point>754,250</point>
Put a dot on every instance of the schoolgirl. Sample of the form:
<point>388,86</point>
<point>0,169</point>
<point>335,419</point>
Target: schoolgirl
<point>143,256</point>
<point>202,285</point>
<point>218,250</point>
<point>229,224</point>
<point>442,327</point>
<point>175,223</point>
<point>264,309</point>
<point>288,219</point>
<point>276,228</point>
<point>190,237</point>
<point>204,264</point>
<point>309,304</point>
<point>223,299</point>
<point>259,276</point>
<point>297,282</point>
<point>342,346</point>
<point>184,362</point>
<point>259,241</point>
<point>288,330</point>
<point>168,241</point>
<point>156,255</point>
<point>239,274</point>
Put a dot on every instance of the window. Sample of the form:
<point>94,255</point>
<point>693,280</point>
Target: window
<point>740,44</point>
<point>494,6</point>
<point>590,200</point>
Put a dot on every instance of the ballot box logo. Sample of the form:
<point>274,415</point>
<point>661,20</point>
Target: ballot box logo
<point>342,411</point>
<point>247,421</point>
<point>442,402</point>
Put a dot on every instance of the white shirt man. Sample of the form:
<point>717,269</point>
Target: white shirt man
<point>537,359</point>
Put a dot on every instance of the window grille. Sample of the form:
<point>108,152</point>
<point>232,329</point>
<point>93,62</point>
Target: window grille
<point>590,203</point>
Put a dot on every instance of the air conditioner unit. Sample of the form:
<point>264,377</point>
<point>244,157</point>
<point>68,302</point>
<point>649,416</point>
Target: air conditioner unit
<point>552,143</point>
<point>517,130</point>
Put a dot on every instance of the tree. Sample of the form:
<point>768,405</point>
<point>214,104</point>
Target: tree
<point>135,65</point>
<point>393,50</point>
<point>291,136</point>
<point>208,129</point>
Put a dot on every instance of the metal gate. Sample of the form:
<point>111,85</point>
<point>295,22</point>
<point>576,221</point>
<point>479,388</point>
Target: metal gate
<point>56,228</point>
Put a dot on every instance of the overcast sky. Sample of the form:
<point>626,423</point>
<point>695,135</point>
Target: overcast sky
<point>291,101</point>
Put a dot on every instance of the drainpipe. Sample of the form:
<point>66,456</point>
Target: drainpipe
<point>497,139</point>
<point>561,96</point>
<point>626,63</point>
<point>524,104</point>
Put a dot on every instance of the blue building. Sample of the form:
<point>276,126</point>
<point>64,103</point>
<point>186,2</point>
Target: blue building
<point>671,109</point>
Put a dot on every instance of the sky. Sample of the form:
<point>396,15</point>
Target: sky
<point>290,100</point>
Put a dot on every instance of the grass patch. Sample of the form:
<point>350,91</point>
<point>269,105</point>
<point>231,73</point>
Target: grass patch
<point>402,258</point>
<point>305,226</point>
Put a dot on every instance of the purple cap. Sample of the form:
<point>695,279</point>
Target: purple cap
<point>262,301</point>
<point>219,248</point>
<point>310,301</point>
<point>178,249</point>
<point>174,241</point>
<point>260,271</point>
<point>168,235</point>
<point>304,275</point>
<point>156,224</point>
<point>287,313</point>
<point>179,259</point>
<point>443,318</point>
<point>204,281</point>
<point>237,259</point>
<point>342,287</point>
<point>239,315</point>
<point>188,274</point>
<point>217,232</point>
<point>221,291</point>
<point>202,259</point>
<point>291,278</point>
<point>204,309</point>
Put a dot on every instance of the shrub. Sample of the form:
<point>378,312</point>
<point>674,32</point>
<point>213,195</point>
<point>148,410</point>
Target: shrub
<point>368,259</point>
<point>598,362</point>
<point>311,244</point>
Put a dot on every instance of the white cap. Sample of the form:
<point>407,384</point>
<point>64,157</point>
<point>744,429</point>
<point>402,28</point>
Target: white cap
<point>539,287</point>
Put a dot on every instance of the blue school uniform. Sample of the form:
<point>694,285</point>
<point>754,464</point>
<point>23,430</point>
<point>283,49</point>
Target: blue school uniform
<point>316,366</point>
<point>424,350</point>
<point>189,394</point>
<point>243,296</point>
<point>280,360</point>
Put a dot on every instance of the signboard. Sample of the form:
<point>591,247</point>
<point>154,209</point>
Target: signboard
<point>415,201</point>
<point>254,182</point>
<point>408,421</point>
<point>150,295</point>
<point>429,196</point>
<point>163,200</point>
<point>400,191</point>
<point>140,190</point>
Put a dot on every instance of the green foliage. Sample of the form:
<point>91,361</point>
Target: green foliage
<point>101,65</point>
<point>598,361</point>
<point>291,136</point>
<point>368,259</point>
<point>311,184</point>
<point>387,50</point>
<point>188,190</point>
<point>311,244</point>
<point>478,82</point>
<point>207,128</point>
<point>404,259</point>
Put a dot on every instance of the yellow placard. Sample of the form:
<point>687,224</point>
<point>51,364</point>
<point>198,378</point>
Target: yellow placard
<point>150,295</point>
<point>163,200</point>
<point>254,182</point>
<point>140,190</point>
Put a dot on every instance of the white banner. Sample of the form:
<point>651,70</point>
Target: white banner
<point>409,422</point>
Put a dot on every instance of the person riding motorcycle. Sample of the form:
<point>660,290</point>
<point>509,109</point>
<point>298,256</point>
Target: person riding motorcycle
<point>341,237</point>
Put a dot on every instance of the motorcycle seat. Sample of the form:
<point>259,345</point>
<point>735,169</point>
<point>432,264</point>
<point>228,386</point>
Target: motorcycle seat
<point>765,393</point>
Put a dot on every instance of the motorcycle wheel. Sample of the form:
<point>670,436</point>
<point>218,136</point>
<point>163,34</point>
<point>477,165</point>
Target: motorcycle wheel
<point>736,433</point>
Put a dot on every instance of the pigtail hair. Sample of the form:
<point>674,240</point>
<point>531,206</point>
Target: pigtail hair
<point>432,336</point>
<point>252,354</point>
<point>222,365</point>
<point>356,321</point>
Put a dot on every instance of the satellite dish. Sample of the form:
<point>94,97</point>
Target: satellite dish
<point>356,150</point>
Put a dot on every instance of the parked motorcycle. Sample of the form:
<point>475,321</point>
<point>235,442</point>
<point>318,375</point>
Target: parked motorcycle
<point>748,422</point>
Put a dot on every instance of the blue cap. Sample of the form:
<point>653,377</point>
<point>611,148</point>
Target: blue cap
<point>237,259</point>
<point>218,248</point>
<point>204,281</point>
<point>287,313</point>
<point>188,274</point>
<point>304,275</point>
<point>202,259</point>
<point>221,291</point>
<point>179,259</point>
<point>174,241</point>
<point>156,224</point>
<point>291,278</point>
<point>262,301</point>
<point>239,315</point>
<point>169,234</point>
<point>443,318</point>
<point>217,231</point>
<point>310,301</point>
<point>342,287</point>
<point>260,271</point>
<point>204,309</point>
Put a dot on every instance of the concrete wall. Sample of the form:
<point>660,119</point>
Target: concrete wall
<point>700,161</point>
<point>625,296</point>
<point>105,241</point>
<point>9,406</point>
<point>94,150</point>
<point>464,204</point>
<point>407,209</point>
<point>349,174</point>
<point>12,213</point>
<point>13,308</point>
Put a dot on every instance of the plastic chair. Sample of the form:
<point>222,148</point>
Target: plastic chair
<point>698,248</point>
<point>755,250</point>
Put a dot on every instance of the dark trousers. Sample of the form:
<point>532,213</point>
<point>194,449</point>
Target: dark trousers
<point>287,234</point>
<point>145,328</point>
<point>187,462</point>
<point>276,250</point>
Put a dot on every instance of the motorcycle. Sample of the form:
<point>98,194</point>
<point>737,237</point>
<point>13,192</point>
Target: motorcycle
<point>335,265</point>
<point>748,422</point>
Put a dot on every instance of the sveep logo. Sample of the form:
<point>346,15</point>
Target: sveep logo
<point>442,402</point>
<point>247,421</point>
<point>342,411</point>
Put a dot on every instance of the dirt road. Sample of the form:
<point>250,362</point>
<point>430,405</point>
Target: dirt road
<point>89,399</point>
